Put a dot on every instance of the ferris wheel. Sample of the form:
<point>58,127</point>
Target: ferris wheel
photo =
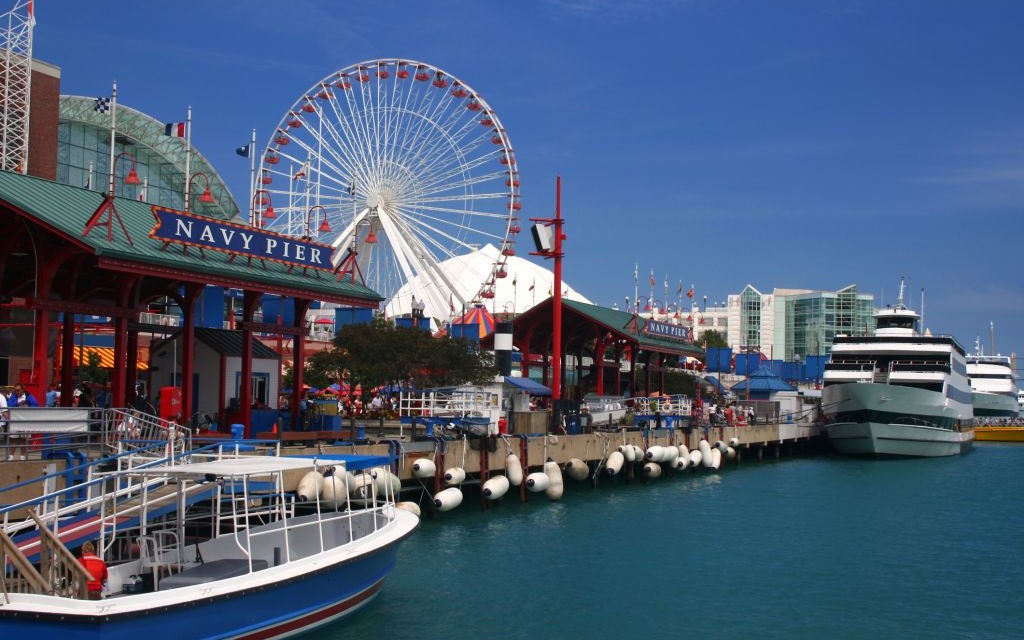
<point>403,164</point>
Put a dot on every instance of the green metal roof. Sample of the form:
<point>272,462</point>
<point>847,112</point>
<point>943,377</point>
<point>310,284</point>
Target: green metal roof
<point>229,343</point>
<point>65,210</point>
<point>624,323</point>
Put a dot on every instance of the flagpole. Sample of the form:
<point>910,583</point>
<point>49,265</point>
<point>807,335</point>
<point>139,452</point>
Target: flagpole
<point>113,124</point>
<point>252,177</point>
<point>636,286</point>
<point>188,155</point>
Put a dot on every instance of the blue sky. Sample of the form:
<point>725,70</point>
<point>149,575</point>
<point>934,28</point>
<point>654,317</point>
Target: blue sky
<point>792,144</point>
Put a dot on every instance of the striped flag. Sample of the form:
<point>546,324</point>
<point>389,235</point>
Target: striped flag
<point>175,129</point>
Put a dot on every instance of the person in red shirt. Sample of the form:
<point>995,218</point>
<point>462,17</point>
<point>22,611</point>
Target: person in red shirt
<point>96,568</point>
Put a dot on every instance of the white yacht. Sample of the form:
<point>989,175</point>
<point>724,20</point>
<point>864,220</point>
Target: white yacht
<point>992,386</point>
<point>897,393</point>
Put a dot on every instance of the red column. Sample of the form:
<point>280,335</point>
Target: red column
<point>119,384</point>
<point>299,356</point>
<point>67,358</point>
<point>599,348</point>
<point>188,349</point>
<point>249,302</point>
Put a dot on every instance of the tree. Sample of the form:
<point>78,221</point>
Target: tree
<point>379,353</point>
<point>91,371</point>
<point>713,338</point>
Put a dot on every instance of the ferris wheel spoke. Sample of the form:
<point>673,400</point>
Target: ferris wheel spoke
<point>403,152</point>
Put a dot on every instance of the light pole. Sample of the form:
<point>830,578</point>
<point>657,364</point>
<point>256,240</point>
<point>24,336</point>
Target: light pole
<point>132,178</point>
<point>261,198</point>
<point>206,197</point>
<point>324,227</point>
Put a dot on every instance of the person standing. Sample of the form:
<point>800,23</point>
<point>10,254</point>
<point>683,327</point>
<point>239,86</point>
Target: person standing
<point>51,396</point>
<point>21,398</point>
<point>96,568</point>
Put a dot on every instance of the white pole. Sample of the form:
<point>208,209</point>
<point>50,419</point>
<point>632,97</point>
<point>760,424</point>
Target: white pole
<point>113,121</point>
<point>188,157</point>
<point>252,178</point>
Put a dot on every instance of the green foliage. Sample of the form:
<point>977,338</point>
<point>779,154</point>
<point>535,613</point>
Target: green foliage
<point>379,353</point>
<point>713,338</point>
<point>92,372</point>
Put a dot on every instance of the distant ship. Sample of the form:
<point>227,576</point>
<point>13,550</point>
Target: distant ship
<point>992,386</point>
<point>898,393</point>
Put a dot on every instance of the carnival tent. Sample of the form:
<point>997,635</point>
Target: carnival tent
<point>475,323</point>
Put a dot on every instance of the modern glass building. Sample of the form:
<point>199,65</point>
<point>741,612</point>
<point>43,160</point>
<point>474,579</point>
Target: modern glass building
<point>83,159</point>
<point>788,323</point>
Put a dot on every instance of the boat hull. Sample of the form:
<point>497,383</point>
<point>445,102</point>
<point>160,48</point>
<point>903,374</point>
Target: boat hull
<point>274,603</point>
<point>994,405</point>
<point>999,434</point>
<point>869,419</point>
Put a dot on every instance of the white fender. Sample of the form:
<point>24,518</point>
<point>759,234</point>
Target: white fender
<point>627,452</point>
<point>638,454</point>
<point>424,468</point>
<point>652,469</point>
<point>720,445</point>
<point>555,487</point>
<point>495,487</point>
<point>614,464</point>
<point>411,507</point>
<point>680,463</point>
<point>684,454</point>
<point>514,470</point>
<point>716,459</point>
<point>705,452</point>
<point>655,453</point>
<point>695,458</point>
<point>730,453</point>
<point>455,475</point>
<point>537,481</point>
<point>448,499</point>
<point>335,489</point>
<point>577,469</point>
<point>362,486</point>
<point>671,454</point>
<point>388,484</point>
<point>310,486</point>
<point>734,442</point>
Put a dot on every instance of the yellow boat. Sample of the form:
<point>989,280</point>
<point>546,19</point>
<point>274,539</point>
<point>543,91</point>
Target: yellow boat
<point>999,434</point>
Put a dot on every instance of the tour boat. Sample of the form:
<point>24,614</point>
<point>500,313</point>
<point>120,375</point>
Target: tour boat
<point>897,393</point>
<point>244,560</point>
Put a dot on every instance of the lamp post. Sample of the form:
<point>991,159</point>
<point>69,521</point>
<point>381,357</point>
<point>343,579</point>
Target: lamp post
<point>206,197</point>
<point>324,226</point>
<point>260,198</point>
<point>132,178</point>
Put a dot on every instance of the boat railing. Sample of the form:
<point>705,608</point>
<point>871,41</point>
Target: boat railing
<point>930,366</point>
<point>665,405</point>
<point>58,573</point>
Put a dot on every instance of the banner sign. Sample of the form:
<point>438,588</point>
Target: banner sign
<point>239,239</point>
<point>665,330</point>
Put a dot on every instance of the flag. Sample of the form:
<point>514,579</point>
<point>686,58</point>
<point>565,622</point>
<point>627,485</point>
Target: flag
<point>514,281</point>
<point>652,277</point>
<point>534,284</point>
<point>300,174</point>
<point>451,304</point>
<point>31,14</point>
<point>636,272</point>
<point>679,291</point>
<point>102,104</point>
<point>175,129</point>
<point>689,294</point>
<point>244,151</point>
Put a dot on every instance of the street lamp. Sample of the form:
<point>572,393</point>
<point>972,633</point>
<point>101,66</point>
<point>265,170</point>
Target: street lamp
<point>206,197</point>
<point>132,178</point>
<point>324,226</point>
<point>262,197</point>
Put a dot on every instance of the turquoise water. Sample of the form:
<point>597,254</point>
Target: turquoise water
<point>821,547</point>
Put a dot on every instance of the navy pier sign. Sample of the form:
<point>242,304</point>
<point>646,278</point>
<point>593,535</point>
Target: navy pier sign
<point>665,330</point>
<point>239,239</point>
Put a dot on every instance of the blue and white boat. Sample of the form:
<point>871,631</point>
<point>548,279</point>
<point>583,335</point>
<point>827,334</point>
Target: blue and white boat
<point>240,558</point>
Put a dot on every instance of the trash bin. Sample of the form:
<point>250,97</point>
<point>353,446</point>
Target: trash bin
<point>361,432</point>
<point>238,431</point>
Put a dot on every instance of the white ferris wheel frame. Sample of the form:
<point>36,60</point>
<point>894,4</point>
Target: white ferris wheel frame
<point>423,164</point>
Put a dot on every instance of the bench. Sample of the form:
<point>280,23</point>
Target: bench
<point>211,572</point>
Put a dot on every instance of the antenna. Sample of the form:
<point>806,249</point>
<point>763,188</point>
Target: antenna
<point>992,337</point>
<point>899,301</point>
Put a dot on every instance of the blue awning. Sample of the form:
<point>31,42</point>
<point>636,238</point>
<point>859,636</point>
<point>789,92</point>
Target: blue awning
<point>529,386</point>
